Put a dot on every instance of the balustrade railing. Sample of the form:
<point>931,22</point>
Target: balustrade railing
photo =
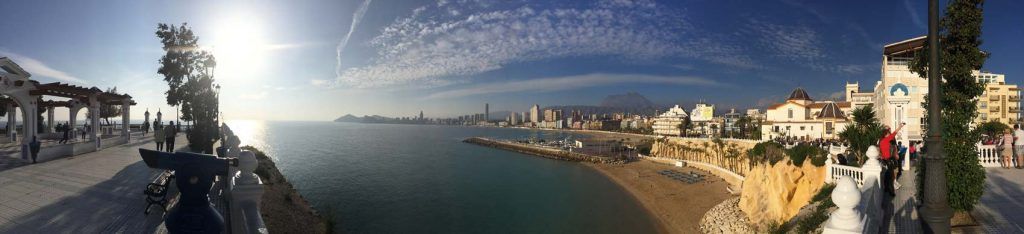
<point>245,189</point>
<point>989,156</point>
<point>859,200</point>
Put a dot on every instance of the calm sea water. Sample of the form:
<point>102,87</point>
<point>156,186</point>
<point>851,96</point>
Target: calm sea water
<point>382,178</point>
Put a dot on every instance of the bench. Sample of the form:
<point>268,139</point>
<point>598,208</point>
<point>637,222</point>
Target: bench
<point>156,192</point>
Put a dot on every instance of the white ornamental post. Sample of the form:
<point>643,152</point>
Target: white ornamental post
<point>871,167</point>
<point>846,219</point>
<point>828,168</point>
<point>246,194</point>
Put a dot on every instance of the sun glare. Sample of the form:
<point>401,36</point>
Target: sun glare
<point>240,47</point>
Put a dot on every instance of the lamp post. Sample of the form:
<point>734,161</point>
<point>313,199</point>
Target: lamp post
<point>936,211</point>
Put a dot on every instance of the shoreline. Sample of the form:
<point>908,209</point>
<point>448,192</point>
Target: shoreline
<point>675,206</point>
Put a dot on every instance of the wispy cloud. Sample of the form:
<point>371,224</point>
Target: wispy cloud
<point>357,16</point>
<point>434,47</point>
<point>38,68</point>
<point>572,82</point>
<point>914,16</point>
<point>800,45</point>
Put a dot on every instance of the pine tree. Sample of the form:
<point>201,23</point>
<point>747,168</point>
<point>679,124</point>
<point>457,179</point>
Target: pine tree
<point>960,55</point>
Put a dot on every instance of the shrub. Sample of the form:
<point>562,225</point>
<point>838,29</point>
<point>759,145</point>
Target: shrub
<point>770,152</point>
<point>801,152</point>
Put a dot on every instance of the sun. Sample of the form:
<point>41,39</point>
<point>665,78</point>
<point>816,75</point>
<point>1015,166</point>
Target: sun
<point>240,48</point>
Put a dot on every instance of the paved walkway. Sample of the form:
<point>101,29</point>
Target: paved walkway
<point>99,192</point>
<point>1001,209</point>
<point>901,211</point>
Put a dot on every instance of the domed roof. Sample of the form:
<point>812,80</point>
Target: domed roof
<point>799,94</point>
<point>831,111</point>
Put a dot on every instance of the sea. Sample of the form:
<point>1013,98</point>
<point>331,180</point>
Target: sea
<point>390,178</point>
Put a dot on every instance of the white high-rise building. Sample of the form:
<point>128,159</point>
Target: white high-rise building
<point>535,113</point>
<point>668,123</point>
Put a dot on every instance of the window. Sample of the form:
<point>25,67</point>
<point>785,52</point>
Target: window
<point>828,128</point>
<point>790,113</point>
<point>801,128</point>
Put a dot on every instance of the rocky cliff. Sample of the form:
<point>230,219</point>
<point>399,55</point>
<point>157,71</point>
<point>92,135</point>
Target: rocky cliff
<point>775,193</point>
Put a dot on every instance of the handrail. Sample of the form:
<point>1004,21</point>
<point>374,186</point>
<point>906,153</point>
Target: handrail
<point>245,190</point>
<point>860,202</point>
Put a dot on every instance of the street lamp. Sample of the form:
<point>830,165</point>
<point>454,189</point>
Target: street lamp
<point>936,211</point>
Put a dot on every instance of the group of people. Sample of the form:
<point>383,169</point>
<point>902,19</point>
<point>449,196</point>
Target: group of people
<point>1009,144</point>
<point>70,131</point>
<point>164,136</point>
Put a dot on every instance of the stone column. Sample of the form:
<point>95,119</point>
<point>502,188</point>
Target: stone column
<point>49,119</point>
<point>10,121</point>
<point>73,117</point>
<point>125,116</point>
<point>94,120</point>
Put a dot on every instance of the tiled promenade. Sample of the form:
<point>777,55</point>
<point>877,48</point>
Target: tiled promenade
<point>1002,206</point>
<point>99,192</point>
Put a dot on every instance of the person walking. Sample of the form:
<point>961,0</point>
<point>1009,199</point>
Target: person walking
<point>170,133</point>
<point>158,137</point>
<point>912,149</point>
<point>1006,148</point>
<point>886,155</point>
<point>1018,145</point>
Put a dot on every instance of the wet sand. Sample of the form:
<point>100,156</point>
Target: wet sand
<point>677,206</point>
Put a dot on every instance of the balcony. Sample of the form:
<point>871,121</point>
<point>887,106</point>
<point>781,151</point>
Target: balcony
<point>994,109</point>
<point>993,97</point>
<point>1014,98</point>
<point>1014,109</point>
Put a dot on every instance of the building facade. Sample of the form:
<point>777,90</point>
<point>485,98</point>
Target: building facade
<point>801,118</point>
<point>1000,101</point>
<point>535,113</point>
<point>667,124</point>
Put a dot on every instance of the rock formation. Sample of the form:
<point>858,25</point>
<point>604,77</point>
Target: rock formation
<point>774,194</point>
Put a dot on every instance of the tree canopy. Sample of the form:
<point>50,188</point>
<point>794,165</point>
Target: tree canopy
<point>960,55</point>
<point>188,71</point>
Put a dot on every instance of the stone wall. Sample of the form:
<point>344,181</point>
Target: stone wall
<point>724,153</point>
<point>775,193</point>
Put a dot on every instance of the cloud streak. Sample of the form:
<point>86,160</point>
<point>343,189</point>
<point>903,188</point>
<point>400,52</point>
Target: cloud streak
<point>38,68</point>
<point>570,83</point>
<point>357,16</point>
<point>436,47</point>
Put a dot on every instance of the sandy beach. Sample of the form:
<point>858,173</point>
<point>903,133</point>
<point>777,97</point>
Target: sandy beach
<point>677,206</point>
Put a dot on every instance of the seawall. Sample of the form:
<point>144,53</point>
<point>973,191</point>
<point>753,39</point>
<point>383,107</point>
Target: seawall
<point>539,151</point>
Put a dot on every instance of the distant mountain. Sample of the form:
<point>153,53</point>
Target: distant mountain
<point>349,118</point>
<point>630,100</point>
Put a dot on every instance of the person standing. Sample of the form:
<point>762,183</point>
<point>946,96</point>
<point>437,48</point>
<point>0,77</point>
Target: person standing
<point>1018,145</point>
<point>912,149</point>
<point>158,137</point>
<point>170,132</point>
<point>1006,148</point>
<point>886,156</point>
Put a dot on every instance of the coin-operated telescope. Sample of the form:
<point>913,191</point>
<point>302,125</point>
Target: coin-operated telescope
<point>194,177</point>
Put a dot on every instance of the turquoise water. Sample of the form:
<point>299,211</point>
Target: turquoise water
<point>381,178</point>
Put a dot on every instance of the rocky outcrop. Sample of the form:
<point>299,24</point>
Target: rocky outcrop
<point>774,194</point>
<point>283,209</point>
<point>726,218</point>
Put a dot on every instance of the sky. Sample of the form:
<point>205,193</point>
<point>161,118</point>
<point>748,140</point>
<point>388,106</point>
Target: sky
<point>317,60</point>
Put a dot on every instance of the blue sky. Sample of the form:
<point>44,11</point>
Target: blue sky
<point>316,60</point>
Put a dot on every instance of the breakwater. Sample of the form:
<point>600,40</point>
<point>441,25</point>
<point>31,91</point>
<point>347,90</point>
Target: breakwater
<point>540,151</point>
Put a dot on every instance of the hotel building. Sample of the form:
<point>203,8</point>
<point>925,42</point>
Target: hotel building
<point>667,123</point>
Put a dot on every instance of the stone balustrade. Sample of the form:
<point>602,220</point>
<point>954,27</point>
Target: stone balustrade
<point>245,191</point>
<point>860,203</point>
<point>989,156</point>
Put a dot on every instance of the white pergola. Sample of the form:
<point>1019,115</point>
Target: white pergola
<point>26,95</point>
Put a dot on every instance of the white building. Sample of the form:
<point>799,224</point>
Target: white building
<point>535,113</point>
<point>802,118</point>
<point>668,123</point>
